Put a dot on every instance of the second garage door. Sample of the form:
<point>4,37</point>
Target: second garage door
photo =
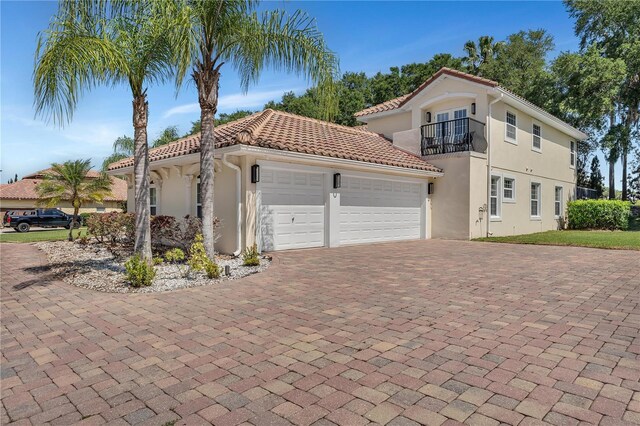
<point>375,210</point>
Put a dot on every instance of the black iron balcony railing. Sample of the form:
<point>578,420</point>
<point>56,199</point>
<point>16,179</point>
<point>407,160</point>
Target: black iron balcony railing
<point>461,134</point>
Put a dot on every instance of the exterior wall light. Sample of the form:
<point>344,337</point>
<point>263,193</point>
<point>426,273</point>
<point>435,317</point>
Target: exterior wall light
<point>428,117</point>
<point>337,180</point>
<point>473,108</point>
<point>255,173</point>
<point>430,188</point>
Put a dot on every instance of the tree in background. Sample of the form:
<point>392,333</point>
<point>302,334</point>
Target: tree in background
<point>122,148</point>
<point>70,181</point>
<point>122,42</point>
<point>226,31</point>
<point>480,54</point>
<point>223,118</point>
<point>634,179</point>
<point>520,66</point>
<point>596,180</point>
<point>613,27</point>
<point>168,135</point>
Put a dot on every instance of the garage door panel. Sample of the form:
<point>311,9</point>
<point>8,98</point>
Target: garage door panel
<point>292,209</point>
<point>374,210</point>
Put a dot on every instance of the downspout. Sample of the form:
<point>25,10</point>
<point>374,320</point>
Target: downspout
<point>488,212</point>
<point>238,201</point>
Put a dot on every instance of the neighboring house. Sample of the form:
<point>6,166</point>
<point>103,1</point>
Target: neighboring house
<point>22,195</point>
<point>284,181</point>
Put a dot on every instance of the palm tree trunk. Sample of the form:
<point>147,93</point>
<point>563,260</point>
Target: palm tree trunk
<point>76,211</point>
<point>142,243</point>
<point>612,179</point>
<point>207,83</point>
<point>612,162</point>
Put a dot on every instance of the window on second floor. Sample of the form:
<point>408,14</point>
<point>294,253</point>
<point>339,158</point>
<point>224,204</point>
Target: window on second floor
<point>511,127</point>
<point>573,154</point>
<point>536,143</point>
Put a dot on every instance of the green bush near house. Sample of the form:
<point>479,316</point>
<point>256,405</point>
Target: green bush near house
<point>139,272</point>
<point>598,214</point>
<point>250,256</point>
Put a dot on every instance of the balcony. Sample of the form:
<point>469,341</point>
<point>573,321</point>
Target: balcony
<point>459,135</point>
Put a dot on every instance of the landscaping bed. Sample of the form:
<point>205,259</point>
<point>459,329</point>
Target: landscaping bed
<point>95,267</point>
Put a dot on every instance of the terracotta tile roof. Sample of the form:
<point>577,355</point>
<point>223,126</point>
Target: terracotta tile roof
<point>289,132</point>
<point>400,101</point>
<point>385,106</point>
<point>25,189</point>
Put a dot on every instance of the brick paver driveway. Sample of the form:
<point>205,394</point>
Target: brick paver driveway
<point>422,332</point>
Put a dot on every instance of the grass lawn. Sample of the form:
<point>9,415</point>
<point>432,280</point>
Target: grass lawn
<point>627,240</point>
<point>39,235</point>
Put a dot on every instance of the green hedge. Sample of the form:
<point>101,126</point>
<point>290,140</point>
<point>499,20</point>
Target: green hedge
<point>598,214</point>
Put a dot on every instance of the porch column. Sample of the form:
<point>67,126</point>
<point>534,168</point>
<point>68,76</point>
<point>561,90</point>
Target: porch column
<point>188,179</point>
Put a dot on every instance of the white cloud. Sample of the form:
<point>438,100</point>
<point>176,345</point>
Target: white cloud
<point>232,102</point>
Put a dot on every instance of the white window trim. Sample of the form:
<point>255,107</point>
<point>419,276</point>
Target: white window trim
<point>539,215</point>
<point>515,186</point>
<point>498,216</point>
<point>153,185</point>
<point>533,147</point>
<point>198,204</point>
<point>506,126</point>
<point>451,112</point>
<point>573,154</point>
<point>556,201</point>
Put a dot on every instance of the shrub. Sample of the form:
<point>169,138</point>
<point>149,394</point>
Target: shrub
<point>198,260</point>
<point>174,255</point>
<point>84,217</point>
<point>598,214</point>
<point>139,272</point>
<point>212,270</point>
<point>250,256</point>
<point>112,228</point>
<point>168,231</point>
<point>157,260</point>
<point>197,255</point>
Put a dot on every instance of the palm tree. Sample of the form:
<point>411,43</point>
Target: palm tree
<point>70,181</point>
<point>123,147</point>
<point>93,42</point>
<point>232,32</point>
<point>481,53</point>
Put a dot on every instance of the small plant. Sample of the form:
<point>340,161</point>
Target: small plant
<point>158,260</point>
<point>83,240</point>
<point>197,255</point>
<point>174,255</point>
<point>212,270</point>
<point>250,256</point>
<point>139,272</point>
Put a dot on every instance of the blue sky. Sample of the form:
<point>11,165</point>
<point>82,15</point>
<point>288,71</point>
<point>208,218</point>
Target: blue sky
<point>367,36</point>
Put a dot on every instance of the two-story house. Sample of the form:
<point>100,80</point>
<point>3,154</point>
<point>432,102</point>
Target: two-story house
<point>460,157</point>
<point>509,166</point>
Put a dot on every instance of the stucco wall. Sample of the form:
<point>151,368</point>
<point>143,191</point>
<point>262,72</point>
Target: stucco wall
<point>450,203</point>
<point>390,124</point>
<point>550,167</point>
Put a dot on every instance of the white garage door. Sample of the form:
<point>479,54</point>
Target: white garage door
<point>292,209</point>
<point>374,210</point>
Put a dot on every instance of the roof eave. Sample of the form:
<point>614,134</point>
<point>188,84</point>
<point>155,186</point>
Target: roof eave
<point>541,114</point>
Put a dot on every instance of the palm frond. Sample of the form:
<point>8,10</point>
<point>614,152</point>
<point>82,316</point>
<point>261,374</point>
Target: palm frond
<point>285,42</point>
